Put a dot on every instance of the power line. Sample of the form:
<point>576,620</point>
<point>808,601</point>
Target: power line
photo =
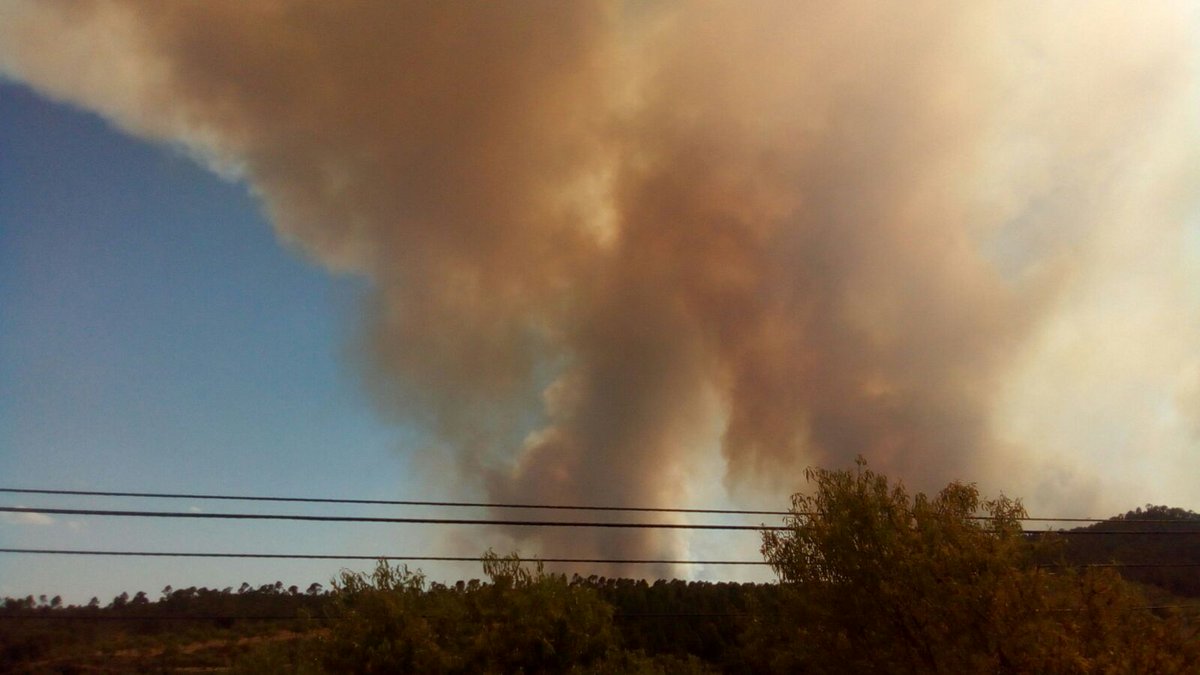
<point>369,519</point>
<point>1132,608</point>
<point>418,558</point>
<point>393,502</point>
<point>495,521</point>
<point>498,505</point>
<point>476,559</point>
<point>1097,532</point>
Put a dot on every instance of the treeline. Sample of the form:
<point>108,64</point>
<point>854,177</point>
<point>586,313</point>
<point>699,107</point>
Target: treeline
<point>139,634</point>
<point>1168,561</point>
<point>871,579</point>
<point>269,599</point>
<point>655,625</point>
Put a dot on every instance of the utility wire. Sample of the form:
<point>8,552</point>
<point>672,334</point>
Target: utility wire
<point>494,521</point>
<point>494,505</point>
<point>368,519</point>
<point>418,558</point>
<point>476,559</point>
<point>393,502</point>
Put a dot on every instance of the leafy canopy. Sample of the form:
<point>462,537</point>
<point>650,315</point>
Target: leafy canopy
<point>878,579</point>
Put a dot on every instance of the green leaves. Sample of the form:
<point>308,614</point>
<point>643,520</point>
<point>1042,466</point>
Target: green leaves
<point>525,620</point>
<point>880,580</point>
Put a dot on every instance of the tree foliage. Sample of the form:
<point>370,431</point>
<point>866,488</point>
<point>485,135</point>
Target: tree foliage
<point>880,580</point>
<point>525,620</point>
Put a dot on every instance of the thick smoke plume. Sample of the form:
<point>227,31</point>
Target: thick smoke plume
<point>605,240</point>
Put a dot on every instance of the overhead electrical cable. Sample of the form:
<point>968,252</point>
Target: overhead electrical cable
<point>497,505</point>
<point>331,556</point>
<point>394,520</point>
<point>393,502</point>
<point>476,559</point>
<point>493,521</point>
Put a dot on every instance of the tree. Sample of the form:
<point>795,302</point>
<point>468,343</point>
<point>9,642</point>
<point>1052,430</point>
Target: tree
<point>878,580</point>
<point>381,626</point>
<point>524,621</point>
<point>532,621</point>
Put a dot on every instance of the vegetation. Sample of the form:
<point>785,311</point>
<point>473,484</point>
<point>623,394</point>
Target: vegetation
<point>192,627</point>
<point>871,579</point>
<point>523,621</point>
<point>1167,562</point>
<point>878,579</point>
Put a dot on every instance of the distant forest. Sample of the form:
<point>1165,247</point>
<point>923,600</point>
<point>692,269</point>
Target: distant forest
<point>871,579</point>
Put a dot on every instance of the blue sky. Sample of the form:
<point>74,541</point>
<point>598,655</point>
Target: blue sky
<point>155,336</point>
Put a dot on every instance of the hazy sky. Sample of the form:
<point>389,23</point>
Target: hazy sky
<point>643,254</point>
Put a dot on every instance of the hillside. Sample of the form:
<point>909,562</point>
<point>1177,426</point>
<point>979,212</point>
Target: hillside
<point>1160,546</point>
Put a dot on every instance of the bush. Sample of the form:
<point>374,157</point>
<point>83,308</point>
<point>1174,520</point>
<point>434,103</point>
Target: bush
<point>878,580</point>
<point>524,621</point>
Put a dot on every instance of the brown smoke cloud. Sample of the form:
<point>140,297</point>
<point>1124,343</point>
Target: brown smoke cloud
<point>604,238</point>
